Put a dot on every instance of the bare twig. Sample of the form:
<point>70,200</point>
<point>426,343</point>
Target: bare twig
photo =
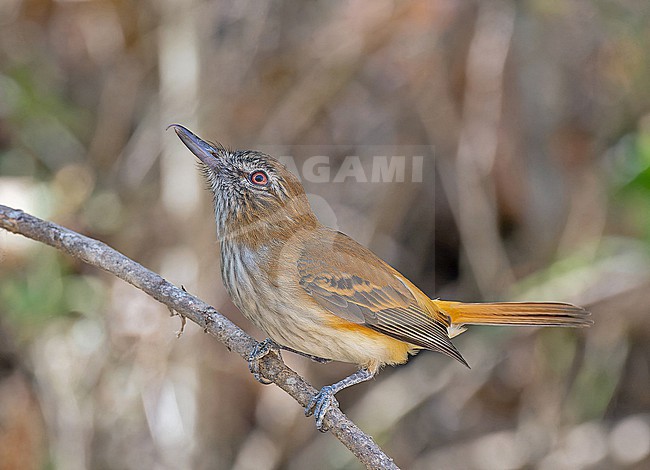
<point>273,369</point>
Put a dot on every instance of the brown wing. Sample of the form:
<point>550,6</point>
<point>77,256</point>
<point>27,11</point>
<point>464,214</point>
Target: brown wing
<point>352,283</point>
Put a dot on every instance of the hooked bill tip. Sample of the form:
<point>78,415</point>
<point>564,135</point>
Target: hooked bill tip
<point>178,128</point>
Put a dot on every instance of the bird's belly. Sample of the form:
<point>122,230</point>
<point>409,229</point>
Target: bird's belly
<point>292,318</point>
<point>315,331</point>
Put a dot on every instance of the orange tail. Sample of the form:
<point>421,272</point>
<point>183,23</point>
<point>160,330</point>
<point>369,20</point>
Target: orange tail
<point>515,313</point>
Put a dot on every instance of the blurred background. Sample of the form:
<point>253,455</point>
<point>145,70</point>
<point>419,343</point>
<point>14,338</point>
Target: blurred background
<point>533,121</point>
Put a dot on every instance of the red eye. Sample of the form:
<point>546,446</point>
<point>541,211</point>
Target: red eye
<point>259,178</point>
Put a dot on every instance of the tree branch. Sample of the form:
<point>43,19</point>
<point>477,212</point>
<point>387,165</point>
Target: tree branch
<point>101,255</point>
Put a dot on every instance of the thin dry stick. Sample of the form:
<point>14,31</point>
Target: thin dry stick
<point>101,255</point>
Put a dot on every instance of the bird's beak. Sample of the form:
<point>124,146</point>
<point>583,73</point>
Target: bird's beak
<point>206,152</point>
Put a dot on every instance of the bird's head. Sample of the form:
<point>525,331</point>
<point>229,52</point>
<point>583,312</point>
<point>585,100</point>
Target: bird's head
<point>252,191</point>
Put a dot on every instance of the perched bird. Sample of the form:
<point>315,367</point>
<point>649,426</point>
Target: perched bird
<point>317,292</point>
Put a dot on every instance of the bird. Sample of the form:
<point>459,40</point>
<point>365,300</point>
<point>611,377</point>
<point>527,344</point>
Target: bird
<point>317,292</point>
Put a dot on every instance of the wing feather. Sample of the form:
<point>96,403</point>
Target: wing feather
<point>352,283</point>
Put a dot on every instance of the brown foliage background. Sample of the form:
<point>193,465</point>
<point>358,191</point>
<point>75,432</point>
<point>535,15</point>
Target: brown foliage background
<point>533,120</point>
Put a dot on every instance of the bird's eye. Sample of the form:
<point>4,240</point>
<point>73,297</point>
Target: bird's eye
<point>258,178</point>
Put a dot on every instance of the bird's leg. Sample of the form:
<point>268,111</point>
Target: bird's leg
<point>324,400</point>
<point>322,360</point>
<point>265,347</point>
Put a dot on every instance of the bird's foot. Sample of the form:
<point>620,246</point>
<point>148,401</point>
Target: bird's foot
<point>261,350</point>
<point>320,404</point>
<point>324,400</point>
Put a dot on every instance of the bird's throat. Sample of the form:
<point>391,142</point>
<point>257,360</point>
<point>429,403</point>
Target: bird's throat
<point>264,226</point>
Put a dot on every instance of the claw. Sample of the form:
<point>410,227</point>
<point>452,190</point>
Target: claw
<point>320,404</point>
<point>261,350</point>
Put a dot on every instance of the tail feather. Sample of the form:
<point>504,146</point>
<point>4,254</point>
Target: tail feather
<point>515,313</point>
